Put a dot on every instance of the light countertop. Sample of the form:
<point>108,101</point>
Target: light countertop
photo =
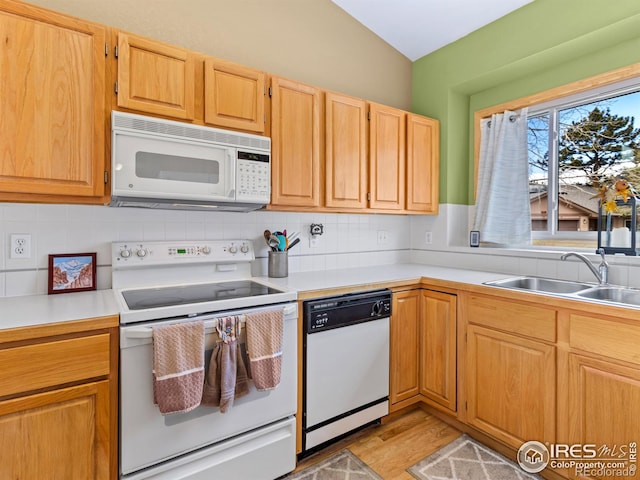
<point>380,274</point>
<point>35,310</point>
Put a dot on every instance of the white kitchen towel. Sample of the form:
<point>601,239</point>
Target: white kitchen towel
<point>178,366</point>
<point>264,347</point>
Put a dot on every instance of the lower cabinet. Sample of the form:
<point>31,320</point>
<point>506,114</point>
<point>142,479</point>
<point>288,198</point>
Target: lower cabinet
<point>58,434</point>
<point>423,349</point>
<point>557,372</point>
<point>58,401</point>
<point>603,406</point>
<point>404,347</point>
<point>438,339</point>
<point>603,384</point>
<point>510,369</point>
<point>510,386</point>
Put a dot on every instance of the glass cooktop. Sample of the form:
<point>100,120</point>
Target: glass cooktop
<point>144,298</point>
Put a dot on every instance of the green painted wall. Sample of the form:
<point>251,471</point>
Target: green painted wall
<point>542,45</point>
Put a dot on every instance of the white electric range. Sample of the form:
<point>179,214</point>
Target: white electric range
<point>157,283</point>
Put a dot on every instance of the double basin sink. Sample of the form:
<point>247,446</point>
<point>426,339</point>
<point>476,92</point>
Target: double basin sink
<point>609,294</point>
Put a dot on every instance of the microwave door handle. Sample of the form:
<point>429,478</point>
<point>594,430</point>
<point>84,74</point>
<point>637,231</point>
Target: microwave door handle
<point>231,174</point>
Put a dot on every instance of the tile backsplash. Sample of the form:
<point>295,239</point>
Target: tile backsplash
<point>348,240</point>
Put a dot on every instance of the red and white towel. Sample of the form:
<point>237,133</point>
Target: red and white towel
<point>178,366</point>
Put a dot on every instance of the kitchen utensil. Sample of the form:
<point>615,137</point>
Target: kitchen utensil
<point>293,236</point>
<point>293,244</point>
<point>274,242</point>
<point>282,242</point>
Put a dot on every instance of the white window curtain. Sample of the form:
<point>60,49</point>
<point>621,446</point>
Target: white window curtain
<point>502,213</point>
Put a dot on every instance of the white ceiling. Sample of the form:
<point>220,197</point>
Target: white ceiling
<point>418,27</point>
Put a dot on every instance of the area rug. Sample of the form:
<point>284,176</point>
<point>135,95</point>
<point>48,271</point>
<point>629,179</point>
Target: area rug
<point>343,465</point>
<point>466,459</point>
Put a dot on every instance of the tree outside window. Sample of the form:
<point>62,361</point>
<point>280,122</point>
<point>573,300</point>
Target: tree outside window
<point>596,144</point>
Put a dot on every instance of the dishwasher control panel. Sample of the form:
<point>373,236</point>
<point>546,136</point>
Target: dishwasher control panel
<point>344,310</point>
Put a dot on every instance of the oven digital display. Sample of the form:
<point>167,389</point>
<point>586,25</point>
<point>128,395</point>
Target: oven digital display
<point>181,250</point>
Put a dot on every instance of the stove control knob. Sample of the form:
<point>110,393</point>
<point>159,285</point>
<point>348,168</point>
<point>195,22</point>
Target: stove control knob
<point>125,253</point>
<point>206,250</point>
<point>244,248</point>
<point>233,249</point>
<point>142,253</point>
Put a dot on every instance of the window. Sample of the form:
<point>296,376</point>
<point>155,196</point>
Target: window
<point>578,145</point>
<point>581,136</point>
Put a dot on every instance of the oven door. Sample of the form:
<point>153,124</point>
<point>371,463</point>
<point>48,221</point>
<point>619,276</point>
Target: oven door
<point>146,166</point>
<point>148,438</point>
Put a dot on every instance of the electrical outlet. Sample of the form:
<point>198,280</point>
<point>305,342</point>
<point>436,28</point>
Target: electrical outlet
<point>383,236</point>
<point>428,238</point>
<point>20,245</point>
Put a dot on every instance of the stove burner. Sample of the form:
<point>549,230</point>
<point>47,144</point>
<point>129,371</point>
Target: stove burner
<point>141,299</point>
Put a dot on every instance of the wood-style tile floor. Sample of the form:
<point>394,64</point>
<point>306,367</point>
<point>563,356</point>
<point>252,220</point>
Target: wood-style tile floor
<point>389,449</point>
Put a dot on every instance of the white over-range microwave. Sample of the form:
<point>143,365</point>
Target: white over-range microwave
<point>159,163</point>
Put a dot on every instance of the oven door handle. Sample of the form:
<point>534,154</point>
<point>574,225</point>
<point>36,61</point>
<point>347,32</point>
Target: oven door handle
<point>209,325</point>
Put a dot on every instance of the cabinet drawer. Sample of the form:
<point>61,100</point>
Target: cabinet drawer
<point>47,364</point>
<point>512,317</point>
<point>605,337</point>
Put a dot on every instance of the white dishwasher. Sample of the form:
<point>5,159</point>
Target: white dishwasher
<point>346,365</point>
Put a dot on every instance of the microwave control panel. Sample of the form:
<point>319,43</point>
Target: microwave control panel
<point>253,177</point>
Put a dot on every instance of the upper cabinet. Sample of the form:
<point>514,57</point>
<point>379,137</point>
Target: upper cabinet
<point>52,106</point>
<point>330,152</point>
<point>295,144</point>
<point>234,96</point>
<point>155,78</point>
<point>161,79</point>
<point>374,158</point>
<point>386,157</point>
<point>346,151</point>
<point>423,164</point>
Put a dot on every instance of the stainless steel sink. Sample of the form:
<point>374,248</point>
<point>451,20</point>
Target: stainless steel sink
<point>538,284</point>
<point>609,294</point>
<point>621,295</point>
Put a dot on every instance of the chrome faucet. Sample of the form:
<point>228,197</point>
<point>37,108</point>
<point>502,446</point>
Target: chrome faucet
<point>602,273</point>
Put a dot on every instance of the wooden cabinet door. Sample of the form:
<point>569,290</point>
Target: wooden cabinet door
<point>58,434</point>
<point>438,348</point>
<point>423,163</point>
<point>52,105</point>
<point>386,157</point>
<point>604,402</point>
<point>404,347</point>
<point>155,78</point>
<point>346,151</point>
<point>295,144</point>
<point>234,96</point>
<point>511,386</point>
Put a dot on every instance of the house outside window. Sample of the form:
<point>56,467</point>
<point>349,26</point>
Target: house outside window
<point>579,145</point>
